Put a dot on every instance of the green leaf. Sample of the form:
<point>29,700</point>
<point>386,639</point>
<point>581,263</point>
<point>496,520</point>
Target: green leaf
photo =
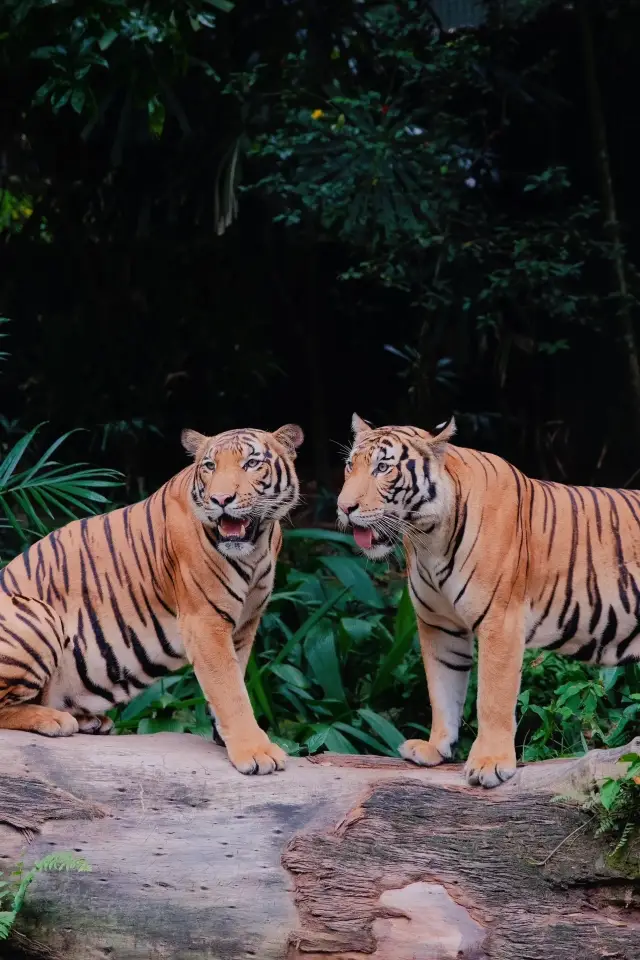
<point>356,629</point>
<point>405,631</point>
<point>337,743</point>
<point>160,725</point>
<point>107,39</point>
<point>349,572</point>
<point>259,691</point>
<point>290,675</point>
<point>156,111</point>
<point>320,651</point>
<point>148,698</point>
<point>14,456</point>
<point>382,727</point>
<point>77,99</point>
<point>608,793</point>
<point>377,745</point>
<point>317,739</point>
<point>225,5</point>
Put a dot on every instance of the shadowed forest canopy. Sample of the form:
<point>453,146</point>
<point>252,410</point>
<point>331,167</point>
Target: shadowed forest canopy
<point>215,214</point>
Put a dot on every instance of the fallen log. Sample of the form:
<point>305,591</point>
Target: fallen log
<point>337,858</point>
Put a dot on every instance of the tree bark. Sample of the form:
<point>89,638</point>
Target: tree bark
<point>337,858</point>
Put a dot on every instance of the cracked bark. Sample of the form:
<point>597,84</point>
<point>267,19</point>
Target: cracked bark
<point>338,858</point>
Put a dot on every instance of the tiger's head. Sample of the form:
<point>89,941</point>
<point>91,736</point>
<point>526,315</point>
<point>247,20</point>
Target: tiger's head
<point>241,480</point>
<point>394,484</point>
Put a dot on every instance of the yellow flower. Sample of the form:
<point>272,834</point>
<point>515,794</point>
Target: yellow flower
<point>317,114</point>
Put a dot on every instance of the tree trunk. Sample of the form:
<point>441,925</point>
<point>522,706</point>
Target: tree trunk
<point>620,286</point>
<point>337,858</point>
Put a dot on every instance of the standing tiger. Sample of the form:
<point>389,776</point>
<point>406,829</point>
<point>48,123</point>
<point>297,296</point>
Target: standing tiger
<point>518,563</point>
<point>101,608</point>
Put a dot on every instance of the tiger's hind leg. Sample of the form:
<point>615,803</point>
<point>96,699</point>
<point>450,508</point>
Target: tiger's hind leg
<point>37,719</point>
<point>447,660</point>
<point>31,644</point>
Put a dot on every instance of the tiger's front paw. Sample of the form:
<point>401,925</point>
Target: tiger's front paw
<point>422,752</point>
<point>489,768</point>
<point>261,758</point>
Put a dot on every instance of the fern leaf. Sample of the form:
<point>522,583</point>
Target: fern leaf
<point>7,919</point>
<point>62,861</point>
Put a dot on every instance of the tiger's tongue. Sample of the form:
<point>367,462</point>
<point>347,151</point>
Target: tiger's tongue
<point>363,537</point>
<point>232,528</point>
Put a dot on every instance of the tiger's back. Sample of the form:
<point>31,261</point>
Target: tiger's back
<point>572,553</point>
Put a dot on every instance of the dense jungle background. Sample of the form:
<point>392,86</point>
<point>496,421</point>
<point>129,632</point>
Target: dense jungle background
<point>218,214</point>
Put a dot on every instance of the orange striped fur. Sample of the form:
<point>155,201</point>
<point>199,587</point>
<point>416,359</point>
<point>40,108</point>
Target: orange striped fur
<point>515,562</point>
<point>101,608</point>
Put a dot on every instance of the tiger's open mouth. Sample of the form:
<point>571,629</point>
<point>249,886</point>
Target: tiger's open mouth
<point>367,537</point>
<point>233,530</point>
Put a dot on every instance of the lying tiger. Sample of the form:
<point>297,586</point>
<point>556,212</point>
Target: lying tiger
<point>516,562</point>
<point>101,608</point>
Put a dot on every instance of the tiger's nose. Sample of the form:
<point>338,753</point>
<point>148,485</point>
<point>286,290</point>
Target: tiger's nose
<point>222,499</point>
<point>348,508</point>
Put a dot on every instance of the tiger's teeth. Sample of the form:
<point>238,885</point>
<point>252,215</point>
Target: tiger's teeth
<point>232,528</point>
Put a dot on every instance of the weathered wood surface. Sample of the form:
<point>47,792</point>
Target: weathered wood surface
<point>338,858</point>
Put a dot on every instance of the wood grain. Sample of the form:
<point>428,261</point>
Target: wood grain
<point>337,858</point>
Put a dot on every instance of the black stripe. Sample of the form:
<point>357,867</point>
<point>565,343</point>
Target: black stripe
<point>624,644</point>
<point>10,661</point>
<point>106,650</point>
<point>160,634</point>
<point>88,684</point>
<point>26,646</point>
<point>477,623</point>
<point>38,632</point>
<point>94,571</point>
<point>569,631</point>
<point>608,633</point>
<point>109,538</point>
<point>150,668</point>
<point>568,597</point>
<point>221,613</point>
<point>459,667</point>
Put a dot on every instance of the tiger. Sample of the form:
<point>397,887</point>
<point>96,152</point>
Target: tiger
<point>490,553</point>
<point>101,608</point>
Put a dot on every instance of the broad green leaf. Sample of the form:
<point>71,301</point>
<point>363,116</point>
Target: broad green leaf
<point>349,572</point>
<point>107,39</point>
<point>337,743</point>
<point>160,725</point>
<point>382,727</point>
<point>148,698</point>
<point>377,745</point>
<point>290,675</point>
<point>608,792</point>
<point>317,739</point>
<point>356,629</point>
<point>320,651</point>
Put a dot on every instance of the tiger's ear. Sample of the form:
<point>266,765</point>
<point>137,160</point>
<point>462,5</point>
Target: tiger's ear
<point>358,425</point>
<point>192,441</point>
<point>290,436</point>
<point>438,442</point>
